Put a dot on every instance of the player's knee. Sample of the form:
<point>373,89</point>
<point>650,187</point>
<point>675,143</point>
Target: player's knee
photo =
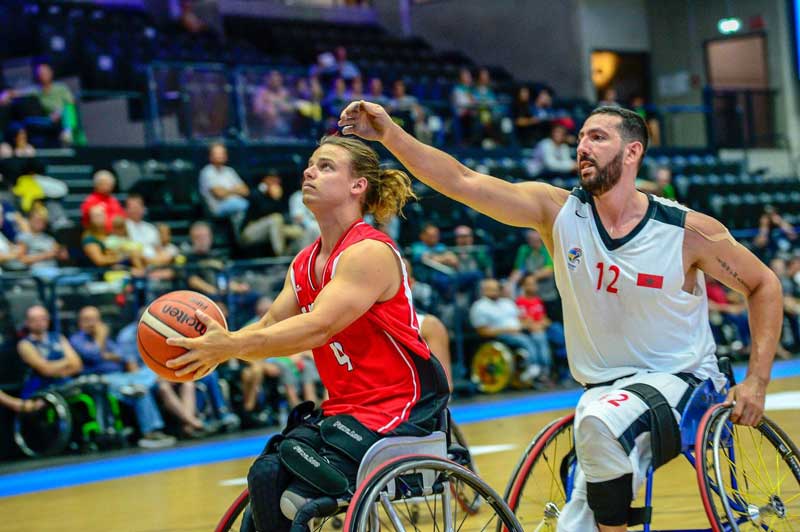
<point>292,502</point>
<point>600,454</point>
<point>610,501</point>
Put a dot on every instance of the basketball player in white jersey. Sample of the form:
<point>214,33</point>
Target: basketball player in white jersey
<point>630,270</point>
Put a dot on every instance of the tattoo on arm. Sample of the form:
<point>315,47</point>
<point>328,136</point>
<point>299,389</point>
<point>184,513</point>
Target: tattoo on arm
<point>727,267</point>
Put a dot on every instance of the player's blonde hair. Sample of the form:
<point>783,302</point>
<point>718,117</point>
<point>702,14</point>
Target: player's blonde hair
<point>388,190</point>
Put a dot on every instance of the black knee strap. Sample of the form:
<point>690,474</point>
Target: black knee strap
<point>306,463</point>
<point>611,500</point>
<point>665,435</point>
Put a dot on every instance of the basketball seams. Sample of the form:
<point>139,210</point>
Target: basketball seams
<point>147,353</point>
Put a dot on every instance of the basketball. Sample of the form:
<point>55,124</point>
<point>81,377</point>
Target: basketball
<point>170,316</point>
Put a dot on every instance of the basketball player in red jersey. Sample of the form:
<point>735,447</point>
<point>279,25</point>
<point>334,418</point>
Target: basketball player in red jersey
<point>347,297</point>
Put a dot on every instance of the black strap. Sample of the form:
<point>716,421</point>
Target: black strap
<point>665,435</point>
<point>640,516</point>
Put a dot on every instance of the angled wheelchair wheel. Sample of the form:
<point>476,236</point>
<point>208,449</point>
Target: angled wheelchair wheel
<point>541,484</point>
<point>237,517</point>
<point>749,477</point>
<point>45,431</point>
<point>413,492</point>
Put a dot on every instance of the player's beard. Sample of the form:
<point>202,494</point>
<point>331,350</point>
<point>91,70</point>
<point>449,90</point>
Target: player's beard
<point>604,178</point>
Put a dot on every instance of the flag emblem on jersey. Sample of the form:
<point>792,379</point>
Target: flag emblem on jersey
<point>650,281</point>
<point>574,258</point>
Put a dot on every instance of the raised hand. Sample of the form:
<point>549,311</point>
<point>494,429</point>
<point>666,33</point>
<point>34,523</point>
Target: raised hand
<point>365,119</point>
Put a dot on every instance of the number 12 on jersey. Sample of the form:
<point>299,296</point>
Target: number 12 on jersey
<point>340,355</point>
<point>614,269</point>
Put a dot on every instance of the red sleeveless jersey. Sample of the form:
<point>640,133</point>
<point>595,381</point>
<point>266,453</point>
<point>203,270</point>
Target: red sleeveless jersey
<point>372,369</point>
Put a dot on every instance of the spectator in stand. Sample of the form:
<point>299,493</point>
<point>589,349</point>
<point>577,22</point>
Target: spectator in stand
<point>650,116</point>
<point>431,256</point>
<point>308,104</point>
<point>206,265</point>
<point>266,216</point>
<point>93,243</point>
<point>533,258</point>
<point>534,316</point>
<point>555,154</point>
<point>18,145</point>
<point>774,235</point>
<point>11,221</point>
<point>410,114</point>
<point>142,232</point>
<point>104,183</point>
<point>608,98</point>
<point>345,68</point>
<point>661,184</point>
<point>462,98</point>
<point>170,254</point>
<point>731,307</point>
<point>120,241</point>
<point>791,308</point>
<point>39,251</point>
<point>125,380</point>
<point>57,101</point>
<point>50,358</point>
<point>302,217</point>
<point>337,98</point>
<point>497,317</point>
<point>34,188</point>
<point>9,255</point>
<point>222,189</point>
<point>486,107</point>
<point>473,262</point>
<point>272,103</point>
<point>376,92</point>
<point>356,89</point>
<point>524,121</point>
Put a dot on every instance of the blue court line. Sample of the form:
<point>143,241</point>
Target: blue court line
<point>250,446</point>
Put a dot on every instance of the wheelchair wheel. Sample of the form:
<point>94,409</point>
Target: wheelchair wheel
<point>541,484</point>
<point>237,517</point>
<point>749,477</point>
<point>469,500</point>
<point>46,431</point>
<point>492,367</point>
<point>389,497</point>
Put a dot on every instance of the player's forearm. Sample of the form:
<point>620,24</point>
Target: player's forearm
<point>288,337</point>
<point>433,167</point>
<point>765,304</point>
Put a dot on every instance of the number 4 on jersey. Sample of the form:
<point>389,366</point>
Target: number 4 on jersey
<point>340,355</point>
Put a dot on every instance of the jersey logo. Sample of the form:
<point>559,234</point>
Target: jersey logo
<point>297,288</point>
<point>579,215</point>
<point>574,256</point>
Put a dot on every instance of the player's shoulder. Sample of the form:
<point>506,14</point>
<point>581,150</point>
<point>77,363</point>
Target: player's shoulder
<point>703,231</point>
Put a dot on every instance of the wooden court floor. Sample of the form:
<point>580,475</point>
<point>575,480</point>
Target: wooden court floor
<point>193,498</point>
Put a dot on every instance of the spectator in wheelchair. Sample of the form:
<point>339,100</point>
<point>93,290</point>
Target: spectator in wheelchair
<point>630,272</point>
<point>497,317</point>
<point>360,325</point>
<point>126,381</point>
<point>50,358</point>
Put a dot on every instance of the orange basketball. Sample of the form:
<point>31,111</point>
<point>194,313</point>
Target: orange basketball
<point>171,316</point>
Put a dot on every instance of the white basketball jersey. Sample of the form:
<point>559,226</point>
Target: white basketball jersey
<point>625,310</point>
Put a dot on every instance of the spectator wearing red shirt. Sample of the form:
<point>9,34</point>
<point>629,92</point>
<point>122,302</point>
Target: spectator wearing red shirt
<point>104,183</point>
<point>731,307</point>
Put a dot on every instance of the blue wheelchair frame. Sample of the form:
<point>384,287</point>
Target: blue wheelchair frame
<point>703,398</point>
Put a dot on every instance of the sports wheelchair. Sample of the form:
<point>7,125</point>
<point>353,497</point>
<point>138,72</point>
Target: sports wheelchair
<point>403,483</point>
<point>748,477</point>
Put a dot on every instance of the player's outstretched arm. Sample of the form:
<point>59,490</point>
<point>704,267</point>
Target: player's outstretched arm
<point>366,273</point>
<point>712,249</point>
<point>522,204</point>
